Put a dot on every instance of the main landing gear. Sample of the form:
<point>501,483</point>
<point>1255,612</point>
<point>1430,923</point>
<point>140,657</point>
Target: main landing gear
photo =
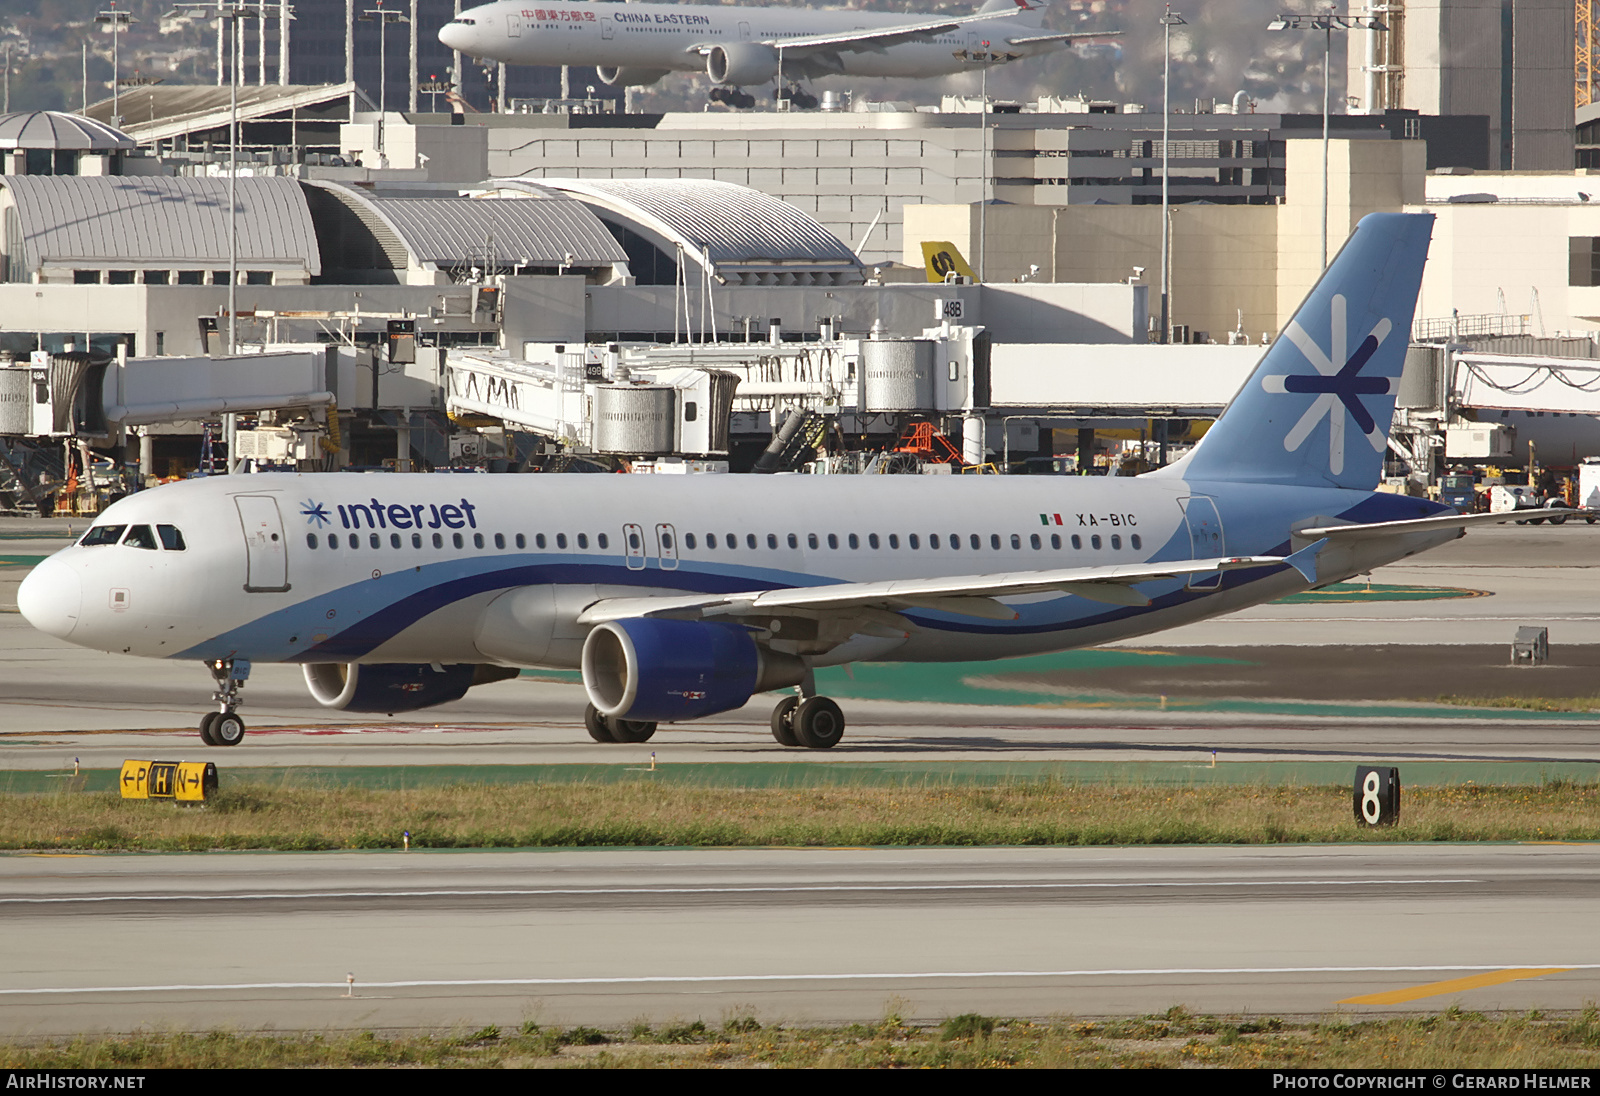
<point>603,728</point>
<point>808,720</point>
<point>223,727</point>
<point>733,97</point>
<point>799,99</point>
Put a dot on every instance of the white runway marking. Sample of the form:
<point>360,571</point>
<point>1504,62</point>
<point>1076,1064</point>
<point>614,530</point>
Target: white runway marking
<point>822,889</point>
<point>698,979</point>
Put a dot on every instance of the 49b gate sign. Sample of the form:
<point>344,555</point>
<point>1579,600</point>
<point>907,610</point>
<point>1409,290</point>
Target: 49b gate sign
<point>1377,796</point>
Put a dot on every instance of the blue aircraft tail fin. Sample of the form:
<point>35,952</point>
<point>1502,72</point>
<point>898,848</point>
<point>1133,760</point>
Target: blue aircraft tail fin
<point>1318,408</point>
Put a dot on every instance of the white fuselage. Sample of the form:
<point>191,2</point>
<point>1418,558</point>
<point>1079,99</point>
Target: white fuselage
<point>400,568</point>
<point>674,38</point>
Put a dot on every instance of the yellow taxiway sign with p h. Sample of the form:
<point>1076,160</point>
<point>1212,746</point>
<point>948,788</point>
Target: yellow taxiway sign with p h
<point>183,781</point>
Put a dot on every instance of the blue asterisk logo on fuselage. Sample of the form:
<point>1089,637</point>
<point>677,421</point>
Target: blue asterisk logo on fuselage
<point>315,513</point>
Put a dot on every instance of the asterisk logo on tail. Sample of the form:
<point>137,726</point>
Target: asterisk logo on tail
<point>1338,385</point>
<point>315,514</point>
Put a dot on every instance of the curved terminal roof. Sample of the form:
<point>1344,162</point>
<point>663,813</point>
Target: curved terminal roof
<point>154,222</point>
<point>739,234</point>
<point>57,130</point>
<point>488,232</point>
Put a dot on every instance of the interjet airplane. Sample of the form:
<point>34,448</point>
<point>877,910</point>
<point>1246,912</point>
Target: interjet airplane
<point>736,46</point>
<point>681,597</point>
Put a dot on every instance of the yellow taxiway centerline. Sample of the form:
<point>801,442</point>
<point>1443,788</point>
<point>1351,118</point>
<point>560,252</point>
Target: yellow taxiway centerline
<point>1454,985</point>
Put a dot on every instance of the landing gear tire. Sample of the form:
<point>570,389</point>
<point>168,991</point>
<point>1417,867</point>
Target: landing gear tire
<point>605,729</point>
<point>598,726</point>
<point>632,730</point>
<point>227,729</point>
<point>783,721</point>
<point>207,722</point>
<point>818,723</point>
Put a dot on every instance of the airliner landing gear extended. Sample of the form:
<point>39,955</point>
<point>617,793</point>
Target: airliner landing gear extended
<point>814,722</point>
<point>223,727</point>
<point>605,729</point>
<point>799,99</point>
<point>739,100</point>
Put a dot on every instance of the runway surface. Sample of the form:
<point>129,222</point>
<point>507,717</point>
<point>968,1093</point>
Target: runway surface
<point>604,937</point>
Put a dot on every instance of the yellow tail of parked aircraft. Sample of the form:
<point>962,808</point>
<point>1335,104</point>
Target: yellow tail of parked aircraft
<point>944,257</point>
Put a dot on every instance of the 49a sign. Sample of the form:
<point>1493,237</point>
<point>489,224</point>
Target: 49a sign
<point>184,781</point>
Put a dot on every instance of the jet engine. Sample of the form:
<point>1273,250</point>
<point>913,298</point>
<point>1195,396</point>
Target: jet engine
<point>653,670</point>
<point>394,686</point>
<point>741,63</point>
<point>618,77</point>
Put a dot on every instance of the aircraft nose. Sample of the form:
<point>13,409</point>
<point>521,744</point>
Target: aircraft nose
<point>51,598</point>
<point>456,37</point>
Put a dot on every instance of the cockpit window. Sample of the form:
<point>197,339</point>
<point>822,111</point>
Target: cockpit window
<point>140,536</point>
<point>102,534</point>
<point>171,538</point>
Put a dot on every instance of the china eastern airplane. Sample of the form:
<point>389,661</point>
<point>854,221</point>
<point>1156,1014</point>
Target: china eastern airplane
<point>682,596</point>
<point>737,46</point>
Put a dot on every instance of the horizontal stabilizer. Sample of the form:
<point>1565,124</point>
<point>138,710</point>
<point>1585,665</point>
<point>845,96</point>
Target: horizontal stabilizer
<point>1377,530</point>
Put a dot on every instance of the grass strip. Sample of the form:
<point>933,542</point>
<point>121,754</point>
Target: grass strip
<point>641,813</point>
<point>1524,703</point>
<point>1176,1038</point>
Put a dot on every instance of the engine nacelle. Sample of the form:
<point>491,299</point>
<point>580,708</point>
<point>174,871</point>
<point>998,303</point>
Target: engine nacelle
<point>393,686</point>
<point>623,77</point>
<point>665,670</point>
<point>741,63</point>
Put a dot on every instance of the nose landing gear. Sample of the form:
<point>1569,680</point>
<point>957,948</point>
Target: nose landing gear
<point>223,727</point>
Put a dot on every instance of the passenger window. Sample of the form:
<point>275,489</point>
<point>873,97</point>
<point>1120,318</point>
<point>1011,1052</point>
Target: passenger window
<point>140,536</point>
<point>416,540</point>
<point>374,541</point>
<point>977,541</point>
<point>602,540</point>
<point>872,540</point>
<point>1016,541</point>
<point>522,541</point>
<point>634,542</point>
<point>311,540</point>
<point>855,542</point>
<point>583,540</point>
<point>688,540</point>
<point>732,539</point>
<point>394,540</point>
<point>455,539</point>
<point>355,541</point>
<point>1094,542</point>
<point>1055,541</point>
<point>172,538</point>
<point>811,540</point>
<point>912,541</point>
<point>833,540</point>
<point>772,540</point>
<point>711,540</point>
<point>538,540</point>
<point>750,540</point>
<point>955,541</point>
<point>1036,542</point>
<point>1136,542</point>
<point>894,540</point>
<point>1116,542</point>
<point>499,540</point>
<point>438,540</point>
<point>333,540</point>
<point>477,540</point>
<point>561,540</point>
<point>794,541</point>
<point>933,540</point>
<point>102,534</point>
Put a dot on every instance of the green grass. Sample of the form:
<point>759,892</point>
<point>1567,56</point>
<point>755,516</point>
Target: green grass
<point>1173,1039</point>
<point>1524,703</point>
<point>643,813</point>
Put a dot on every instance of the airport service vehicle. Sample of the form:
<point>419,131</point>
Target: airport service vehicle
<point>681,597</point>
<point>738,45</point>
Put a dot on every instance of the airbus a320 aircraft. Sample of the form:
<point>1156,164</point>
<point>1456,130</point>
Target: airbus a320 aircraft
<point>737,46</point>
<point>681,597</point>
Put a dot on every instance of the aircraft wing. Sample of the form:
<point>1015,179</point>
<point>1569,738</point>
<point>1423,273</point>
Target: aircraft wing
<point>1069,36</point>
<point>966,595</point>
<point>1379,529</point>
<point>882,37</point>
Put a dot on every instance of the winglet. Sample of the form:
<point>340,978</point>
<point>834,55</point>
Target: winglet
<point>1305,560</point>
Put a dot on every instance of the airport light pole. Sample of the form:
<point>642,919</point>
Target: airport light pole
<point>116,19</point>
<point>1327,22</point>
<point>383,17</point>
<point>1169,19</point>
